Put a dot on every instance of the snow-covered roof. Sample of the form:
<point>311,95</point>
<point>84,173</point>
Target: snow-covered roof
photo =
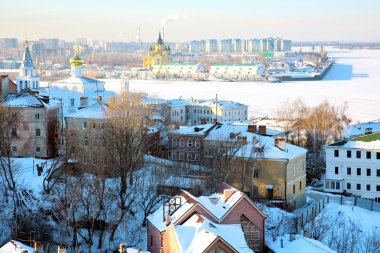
<point>179,102</point>
<point>25,100</point>
<point>370,141</point>
<point>360,128</point>
<point>78,80</point>
<point>222,103</point>
<point>15,247</point>
<point>196,130</point>
<point>198,233</point>
<point>95,111</point>
<point>214,204</point>
<point>300,244</point>
<point>270,150</point>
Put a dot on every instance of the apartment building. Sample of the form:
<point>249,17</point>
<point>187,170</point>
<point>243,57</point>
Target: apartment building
<point>353,167</point>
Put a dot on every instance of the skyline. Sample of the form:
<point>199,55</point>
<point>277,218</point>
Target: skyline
<point>119,20</point>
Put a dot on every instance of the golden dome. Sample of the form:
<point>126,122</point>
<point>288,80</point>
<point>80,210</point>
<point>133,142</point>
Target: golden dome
<point>76,61</point>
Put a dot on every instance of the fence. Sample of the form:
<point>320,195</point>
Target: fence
<point>309,213</point>
<point>368,204</point>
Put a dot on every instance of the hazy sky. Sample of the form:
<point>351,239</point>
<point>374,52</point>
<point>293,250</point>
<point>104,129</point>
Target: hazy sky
<point>306,20</point>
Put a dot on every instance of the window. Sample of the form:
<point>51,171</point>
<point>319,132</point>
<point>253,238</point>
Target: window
<point>188,156</point>
<point>358,154</point>
<point>348,170</point>
<point>378,173</point>
<point>368,155</point>
<point>94,159</point>
<point>85,140</point>
<point>336,170</point>
<point>197,143</point>
<point>37,115</point>
<point>337,185</point>
<point>336,153</point>
<point>14,132</point>
<point>255,174</point>
<point>174,156</point>
<point>358,187</point>
<point>14,149</point>
<point>38,149</point>
<point>84,124</point>
<point>84,159</point>
<point>378,155</point>
<point>368,172</point>
<point>368,187</point>
<point>197,157</point>
<point>174,142</point>
<point>327,184</point>
<point>294,189</point>
<point>294,170</point>
<point>181,143</point>
<point>189,143</point>
<point>378,188</point>
<point>94,125</point>
<point>181,156</point>
<point>348,153</point>
<point>300,186</point>
<point>38,132</point>
<point>348,186</point>
<point>358,171</point>
<point>72,102</point>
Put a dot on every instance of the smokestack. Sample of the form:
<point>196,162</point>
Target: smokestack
<point>99,99</point>
<point>262,129</point>
<point>252,128</point>
<point>280,143</point>
<point>38,247</point>
<point>123,248</point>
<point>62,248</point>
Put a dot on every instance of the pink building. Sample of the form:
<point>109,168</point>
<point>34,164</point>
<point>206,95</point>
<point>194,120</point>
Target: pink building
<point>226,221</point>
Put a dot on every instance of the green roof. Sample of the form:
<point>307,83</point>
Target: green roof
<point>267,54</point>
<point>234,64</point>
<point>368,137</point>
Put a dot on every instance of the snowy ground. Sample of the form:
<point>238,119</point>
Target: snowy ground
<point>354,78</point>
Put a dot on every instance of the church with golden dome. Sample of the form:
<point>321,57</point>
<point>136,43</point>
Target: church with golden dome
<point>157,55</point>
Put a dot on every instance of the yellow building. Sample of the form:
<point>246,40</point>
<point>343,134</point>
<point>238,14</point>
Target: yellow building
<point>157,55</point>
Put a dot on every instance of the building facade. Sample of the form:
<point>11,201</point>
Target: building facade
<point>157,55</point>
<point>353,167</point>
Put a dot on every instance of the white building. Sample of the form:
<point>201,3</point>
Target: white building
<point>236,70</point>
<point>353,166</point>
<point>180,69</point>
<point>71,91</point>
<point>190,112</point>
<point>28,78</point>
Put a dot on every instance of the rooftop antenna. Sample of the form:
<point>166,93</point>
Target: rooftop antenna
<point>216,107</point>
<point>139,36</point>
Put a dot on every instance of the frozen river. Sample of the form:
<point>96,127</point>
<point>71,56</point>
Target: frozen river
<point>354,78</point>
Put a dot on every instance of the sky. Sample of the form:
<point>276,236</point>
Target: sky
<point>119,20</point>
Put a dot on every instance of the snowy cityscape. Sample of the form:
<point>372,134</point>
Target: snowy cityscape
<point>169,127</point>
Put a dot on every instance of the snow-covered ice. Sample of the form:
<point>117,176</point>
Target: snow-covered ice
<point>354,78</point>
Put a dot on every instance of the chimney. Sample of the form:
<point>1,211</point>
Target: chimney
<point>38,247</point>
<point>242,139</point>
<point>262,129</point>
<point>167,220</point>
<point>62,248</point>
<point>203,121</point>
<point>232,135</point>
<point>123,248</point>
<point>227,193</point>
<point>280,143</point>
<point>83,101</point>
<point>252,128</point>
<point>99,99</point>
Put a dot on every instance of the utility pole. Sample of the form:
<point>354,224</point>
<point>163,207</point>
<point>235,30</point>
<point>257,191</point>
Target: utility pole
<point>216,107</point>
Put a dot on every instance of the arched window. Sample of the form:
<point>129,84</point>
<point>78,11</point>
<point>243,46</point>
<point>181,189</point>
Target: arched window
<point>181,143</point>
<point>197,143</point>
<point>189,143</point>
<point>174,142</point>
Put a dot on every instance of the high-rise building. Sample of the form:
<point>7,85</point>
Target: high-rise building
<point>197,46</point>
<point>8,43</point>
<point>211,46</point>
<point>226,46</point>
<point>236,45</point>
<point>50,44</point>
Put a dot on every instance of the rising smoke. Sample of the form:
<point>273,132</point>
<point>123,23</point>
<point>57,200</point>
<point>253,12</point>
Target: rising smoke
<point>171,19</point>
